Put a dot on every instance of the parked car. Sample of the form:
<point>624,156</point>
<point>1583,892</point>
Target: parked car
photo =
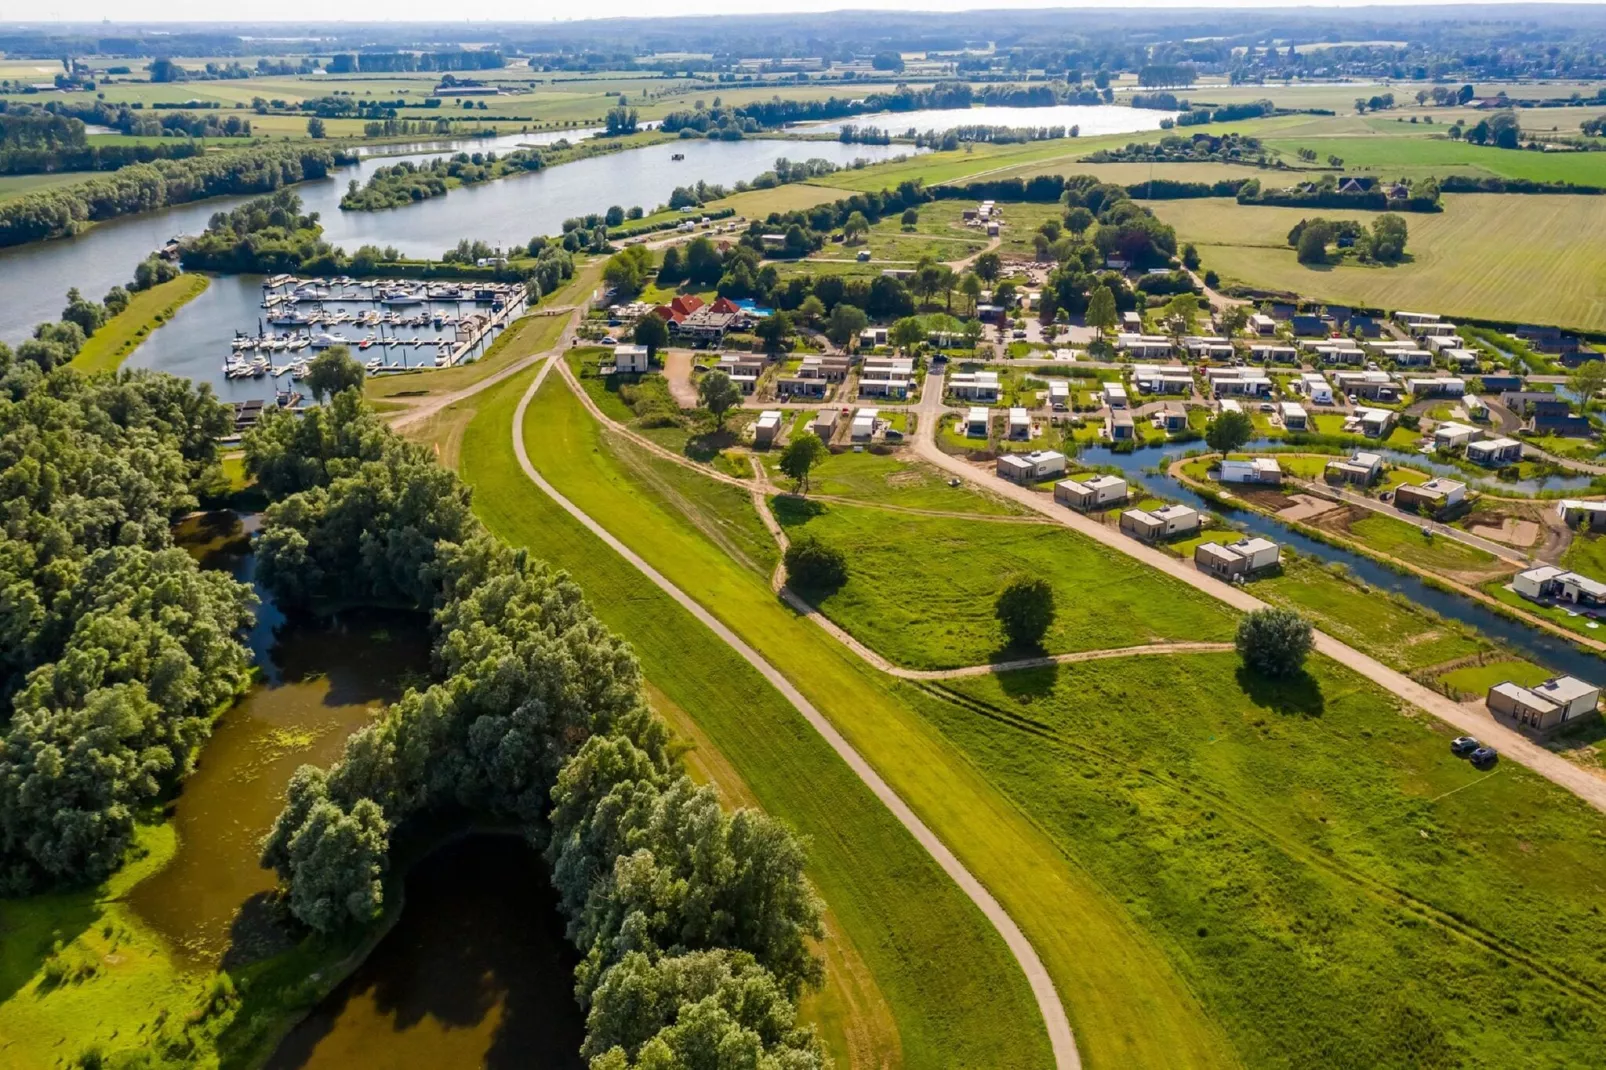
<point>1463,746</point>
<point>608,340</point>
<point>1484,757</point>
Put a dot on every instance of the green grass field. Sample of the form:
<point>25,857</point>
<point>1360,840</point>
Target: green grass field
<point>1405,541</point>
<point>893,479</point>
<point>955,999</point>
<point>148,310</point>
<point>17,185</point>
<point>1536,258</point>
<point>1478,679</point>
<point>1337,888</point>
<point>921,588</point>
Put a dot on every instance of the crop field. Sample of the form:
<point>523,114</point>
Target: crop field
<point>919,593</point>
<point>1419,154</point>
<point>1129,1009</point>
<point>16,185</point>
<point>1334,884</point>
<point>1522,258</point>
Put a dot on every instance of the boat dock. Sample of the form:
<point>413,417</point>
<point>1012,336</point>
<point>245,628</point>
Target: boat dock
<point>507,302</point>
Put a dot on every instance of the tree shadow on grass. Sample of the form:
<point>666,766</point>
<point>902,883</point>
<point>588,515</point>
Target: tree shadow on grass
<point>704,447</point>
<point>1299,695</point>
<point>1025,685</point>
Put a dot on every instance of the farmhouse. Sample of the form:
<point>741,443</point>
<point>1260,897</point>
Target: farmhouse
<point>1546,707</point>
<point>768,427</point>
<point>1153,525</point>
<point>1031,467</point>
<point>1143,346</point>
<point>1450,434</point>
<point>1572,511</point>
<point>974,386</point>
<point>1092,493</point>
<point>1242,558</point>
<point>1361,468</point>
<point>1254,470</point>
<point>1434,495</point>
<point>1293,416</point>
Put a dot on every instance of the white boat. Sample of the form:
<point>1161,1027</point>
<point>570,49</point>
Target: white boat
<point>375,364</point>
<point>401,299</point>
<point>323,340</point>
<point>299,344</point>
<point>442,359</point>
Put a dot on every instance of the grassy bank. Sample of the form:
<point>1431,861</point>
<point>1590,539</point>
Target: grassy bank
<point>147,310</point>
<point>1337,888</point>
<point>956,997</point>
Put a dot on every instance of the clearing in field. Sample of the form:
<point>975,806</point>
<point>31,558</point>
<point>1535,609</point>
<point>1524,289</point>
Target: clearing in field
<point>1333,883</point>
<point>1513,257</point>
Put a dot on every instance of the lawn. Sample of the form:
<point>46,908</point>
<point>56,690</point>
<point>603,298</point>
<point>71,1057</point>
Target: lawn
<point>1586,554</point>
<point>890,479</point>
<point>1337,888</point>
<point>108,347</point>
<point>957,1000</point>
<point>1538,261</point>
<point>920,589</point>
<point>1478,679</point>
<point>1571,620</point>
<point>1403,540</point>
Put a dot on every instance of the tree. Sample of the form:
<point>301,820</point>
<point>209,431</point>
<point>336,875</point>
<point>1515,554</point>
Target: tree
<point>988,265</point>
<point>970,286</point>
<point>972,332</point>
<point>651,331</point>
<point>315,128</point>
<point>1190,257</point>
<point>1313,242</point>
<point>1587,380</point>
<point>845,324</point>
<point>1504,130</point>
<point>854,227</point>
<point>800,456</point>
<point>813,566</point>
<point>1387,242</point>
<point>1182,311</point>
<point>1274,642</point>
<point>774,329</point>
<point>332,371</point>
<point>671,271</point>
<point>911,218</point>
<point>716,393</point>
<point>1101,310</point>
<point>86,314</point>
<point>1025,608</point>
<point>627,270</point>
<point>812,310</point>
<point>1229,431</point>
<point>1078,220</point>
<point>907,333</point>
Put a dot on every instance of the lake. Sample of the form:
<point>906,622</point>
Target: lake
<point>1089,119</point>
<point>476,973</point>
<point>35,278</point>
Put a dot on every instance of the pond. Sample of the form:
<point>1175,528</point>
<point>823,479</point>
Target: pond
<point>475,973</point>
<point>1537,646</point>
<point>35,278</point>
<point>1089,119</point>
<point>320,682</point>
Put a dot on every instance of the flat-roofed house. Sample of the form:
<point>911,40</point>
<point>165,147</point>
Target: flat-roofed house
<point>830,367</point>
<point>1434,495</point>
<point>825,424</point>
<point>1450,434</point>
<point>1162,379</point>
<point>1373,423</point>
<point>1474,406</point>
<point>1462,360</point>
<point>1242,382</point>
<point>1313,386</point>
<point>973,386</point>
<point>1495,451</point>
<point>1242,558</point>
<point>1094,493</point>
<point>1294,416</point>
<point>1438,387</point>
<point>1337,351</point>
<point>1411,319</point>
<point>1574,511</point>
<point>1152,525</point>
<point>1442,343</point>
<point>1546,707</point>
<point>1118,425</point>
<point>630,359</point>
<point>1261,323</point>
<point>1267,352</point>
<point>863,426</point>
<point>1537,583</point>
<point>1143,346</point>
<point>1131,323</point>
<point>1434,329</point>
<point>1115,395</point>
<point>1373,385</point>
<point>1031,467</point>
<point>1020,423</point>
<point>1059,395</point>
<point>1206,348</point>
<point>1361,468</point>
<point>1171,417</point>
<point>1253,470</point>
<point>792,386</point>
<point>768,427</point>
<point>976,422</point>
<point>885,387</point>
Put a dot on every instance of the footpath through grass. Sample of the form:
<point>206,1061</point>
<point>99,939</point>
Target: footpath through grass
<point>1338,889</point>
<point>118,337</point>
<point>957,997</point>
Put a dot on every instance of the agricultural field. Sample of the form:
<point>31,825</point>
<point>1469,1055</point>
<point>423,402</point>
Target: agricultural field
<point>919,594</point>
<point>16,185</point>
<point>1537,260</point>
<point>1326,875</point>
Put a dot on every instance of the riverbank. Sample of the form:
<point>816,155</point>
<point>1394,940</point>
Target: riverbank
<point>118,337</point>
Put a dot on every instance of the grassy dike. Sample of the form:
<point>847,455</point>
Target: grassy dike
<point>957,998</point>
<point>107,348</point>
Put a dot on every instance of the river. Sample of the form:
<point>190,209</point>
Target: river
<point>1537,646</point>
<point>1089,119</point>
<point>35,278</point>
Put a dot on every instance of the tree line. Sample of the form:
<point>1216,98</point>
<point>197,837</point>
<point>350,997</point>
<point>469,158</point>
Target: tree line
<point>693,923</point>
<point>116,650</point>
<point>64,210</point>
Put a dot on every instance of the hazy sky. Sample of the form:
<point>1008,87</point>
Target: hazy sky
<point>546,10</point>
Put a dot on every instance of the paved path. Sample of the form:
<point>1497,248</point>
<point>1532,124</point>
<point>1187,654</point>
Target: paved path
<point>1042,985</point>
<point>1512,744</point>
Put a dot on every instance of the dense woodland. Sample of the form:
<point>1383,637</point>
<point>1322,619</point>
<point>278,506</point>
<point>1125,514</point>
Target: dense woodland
<point>692,922</point>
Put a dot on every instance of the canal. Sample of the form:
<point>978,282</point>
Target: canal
<point>35,278</point>
<point>1543,648</point>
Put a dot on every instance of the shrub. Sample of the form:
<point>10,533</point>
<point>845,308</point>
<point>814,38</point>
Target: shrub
<point>811,565</point>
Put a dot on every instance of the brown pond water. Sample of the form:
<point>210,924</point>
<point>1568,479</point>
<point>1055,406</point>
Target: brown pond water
<point>475,973</point>
<point>321,681</point>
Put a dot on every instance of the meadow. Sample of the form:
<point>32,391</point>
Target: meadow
<point>1511,257</point>
<point>1336,887</point>
<point>893,479</point>
<point>920,589</point>
<point>108,347</point>
<point>955,1000</point>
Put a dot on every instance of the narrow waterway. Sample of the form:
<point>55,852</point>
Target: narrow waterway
<point>1537,646</point>
<point>321,681</point>
<point>35,278</point>
<point>476,973</point>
